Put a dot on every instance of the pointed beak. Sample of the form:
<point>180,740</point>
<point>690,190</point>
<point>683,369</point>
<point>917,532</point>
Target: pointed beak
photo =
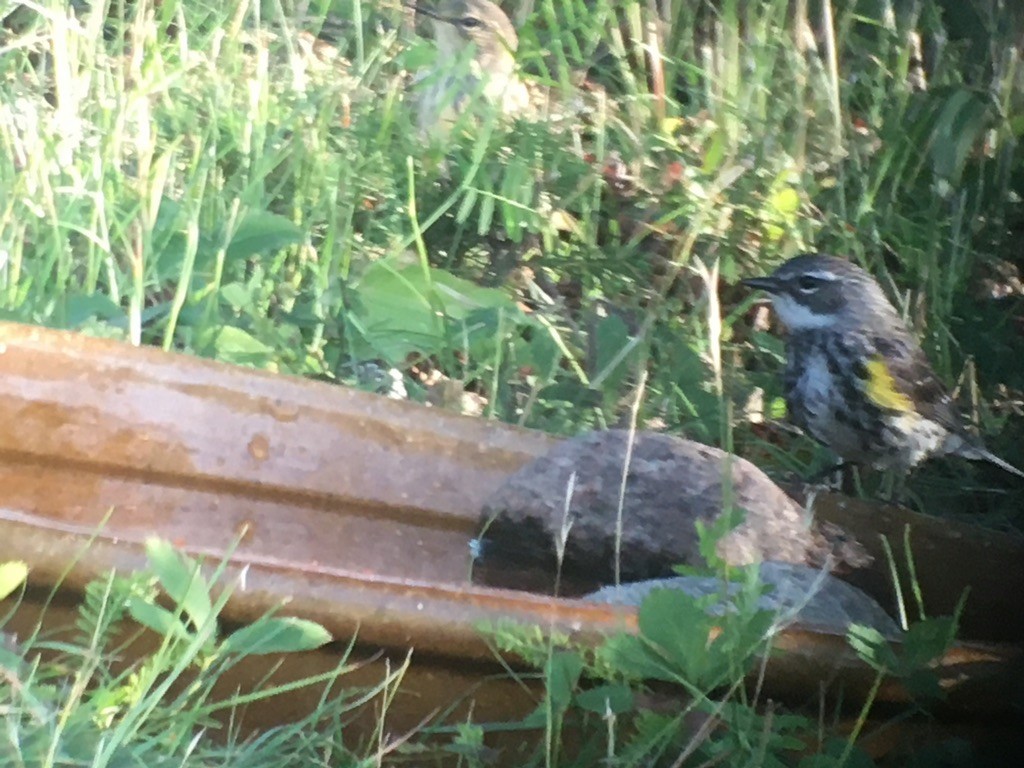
<point>766,283</point>
<point>429,12</point>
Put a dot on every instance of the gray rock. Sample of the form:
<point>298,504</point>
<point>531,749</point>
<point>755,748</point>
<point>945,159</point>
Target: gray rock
<point>812,598</point>
<point>671,485</point>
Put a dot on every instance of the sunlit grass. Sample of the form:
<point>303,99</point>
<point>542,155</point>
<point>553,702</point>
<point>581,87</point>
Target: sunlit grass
<point>211,179</point>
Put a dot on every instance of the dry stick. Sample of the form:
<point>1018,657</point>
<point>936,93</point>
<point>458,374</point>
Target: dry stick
<point>655,59</point>
<point>709,276</point>
<point>630,439</point>
<point>563,531</point>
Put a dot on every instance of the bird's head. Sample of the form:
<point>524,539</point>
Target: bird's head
<point>479,26</point>
<point>816,291</point>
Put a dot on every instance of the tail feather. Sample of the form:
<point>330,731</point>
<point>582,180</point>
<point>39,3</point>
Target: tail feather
<point>980,453</point>
<point>1003,465</point>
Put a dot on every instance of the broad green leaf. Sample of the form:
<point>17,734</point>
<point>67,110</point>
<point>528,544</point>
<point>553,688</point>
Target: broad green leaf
<point>277,635</point>
<point>872,647</point>
<point>611,336</point>
<point>460,297</point>
<point>571,391</point>
<point>417,55</point>
<point>925,641</point>
<point>562,673</point>
<point>924,684</point>
<point>959,122</point>
<point>82,308</point>
<point>679,627</point>
<point>180,578</point>
<point>238,295</point>
<point>403,310</point>
<point>233,345</point>
<point>517,186</point>
<point>393,310</point>
<point>777,409</point>
<point>616,698</point>
<point>629,655</point>
<point>262,232</point>
<point>158,619</point>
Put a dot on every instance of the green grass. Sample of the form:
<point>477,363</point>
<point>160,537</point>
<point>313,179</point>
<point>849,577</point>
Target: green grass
<point>185,175</point>
<point>191,177</point>
<point>144,677</point>
<point>104,692</point>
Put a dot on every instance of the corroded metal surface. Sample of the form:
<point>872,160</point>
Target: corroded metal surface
<point>200,452</point>
<point>355,510</point>
<point>949,558</point>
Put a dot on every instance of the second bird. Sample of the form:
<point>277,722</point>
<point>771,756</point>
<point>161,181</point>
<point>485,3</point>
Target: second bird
<point>476,46</point>
<point>856,379</point>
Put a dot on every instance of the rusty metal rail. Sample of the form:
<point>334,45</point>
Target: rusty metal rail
<point>358,512</point>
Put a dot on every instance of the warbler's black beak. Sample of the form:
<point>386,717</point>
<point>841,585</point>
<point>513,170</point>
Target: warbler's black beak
<point>766,283</point>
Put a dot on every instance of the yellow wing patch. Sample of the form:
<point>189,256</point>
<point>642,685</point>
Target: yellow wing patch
<point>881,388</point>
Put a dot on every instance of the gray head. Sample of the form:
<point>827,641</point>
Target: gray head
<point>816,291</point>
<point>460,24</point>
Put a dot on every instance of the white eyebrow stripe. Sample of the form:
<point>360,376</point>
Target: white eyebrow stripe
<point>829,276</point>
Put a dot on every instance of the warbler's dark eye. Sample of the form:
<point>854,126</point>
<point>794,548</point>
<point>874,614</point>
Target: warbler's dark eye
<point>807,284</point>
<point>470,23</point>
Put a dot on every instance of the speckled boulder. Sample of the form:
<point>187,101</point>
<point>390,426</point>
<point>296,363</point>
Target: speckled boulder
<point>672,483</point>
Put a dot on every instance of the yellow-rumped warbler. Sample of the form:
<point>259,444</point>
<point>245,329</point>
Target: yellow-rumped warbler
<point>856,379</point>
<point>476,46</point>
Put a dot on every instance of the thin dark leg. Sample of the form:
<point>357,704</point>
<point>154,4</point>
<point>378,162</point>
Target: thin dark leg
<point>820,475</point>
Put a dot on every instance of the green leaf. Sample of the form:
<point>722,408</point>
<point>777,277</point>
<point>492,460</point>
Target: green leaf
<point>417,55</point>
<point>959,121</point>
<point>486,215</point>
<point>404,310</point>
<point>786,201</point>
<point>872,647</point>
<point>517,189</point>
<point>562,673</point>
<point>679,627</point>
<point>926,641</point>
<point>544,354</point>
<point>715,153</point>
<point>12,576</point>
<point>610,337</point>
<point>461,297</point>
<point>1016,124</point>
<point>466,206</point>
<point>395,314</point>
<point>82,308</point>
<point>233,345</point>
<point>536,719</point>
<point>632,657</point>
<point>160,620</point>
<point>277,635</point>
<point>616,698</point>
<point>573,392</point>
<point>238,296</point>
<point>923,684</point>
<point>181,580</point>
<point>262,232</point>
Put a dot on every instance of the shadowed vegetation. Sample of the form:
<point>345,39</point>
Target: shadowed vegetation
<point>246,181</point>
